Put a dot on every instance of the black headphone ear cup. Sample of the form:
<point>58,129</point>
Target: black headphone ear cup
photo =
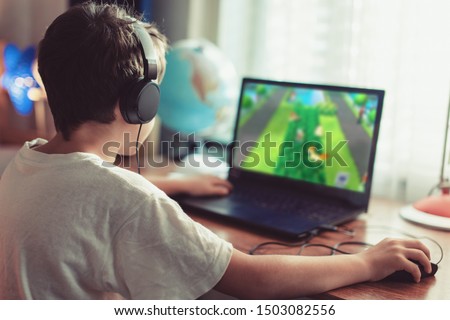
<point>139,102</point>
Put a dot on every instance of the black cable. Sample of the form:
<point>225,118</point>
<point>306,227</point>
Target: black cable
<point>137,150</point>
<point>305,243</point>
<point>437,244</point>
<point>352,243</point>
<point>334,248</point>
<point>307,237</point>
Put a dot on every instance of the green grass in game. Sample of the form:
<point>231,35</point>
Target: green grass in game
<point>300,124</point>
<point>331,124</point>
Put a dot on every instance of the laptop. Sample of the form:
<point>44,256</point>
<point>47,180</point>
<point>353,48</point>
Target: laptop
<point>302,157</point>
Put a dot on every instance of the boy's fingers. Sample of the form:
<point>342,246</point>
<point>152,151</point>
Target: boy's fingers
<point>226,184</point>
<point>420,257</point>
<point>412,268</point>
<point>220,190</point>
<point>221,182</point>
<point>418,245</point>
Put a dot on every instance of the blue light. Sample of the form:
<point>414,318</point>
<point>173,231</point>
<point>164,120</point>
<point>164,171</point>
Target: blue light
<point>18,77</point>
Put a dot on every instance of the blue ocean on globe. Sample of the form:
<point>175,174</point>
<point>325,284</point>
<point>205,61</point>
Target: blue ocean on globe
<point>199,89</point>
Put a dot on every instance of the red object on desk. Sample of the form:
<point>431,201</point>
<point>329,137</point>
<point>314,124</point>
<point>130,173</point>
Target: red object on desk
<point>435,205</point>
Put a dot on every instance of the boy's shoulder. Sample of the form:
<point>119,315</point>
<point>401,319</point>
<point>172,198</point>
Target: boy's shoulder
<point>113,181</point>
<point>132,182</point>
<point>84,174</point>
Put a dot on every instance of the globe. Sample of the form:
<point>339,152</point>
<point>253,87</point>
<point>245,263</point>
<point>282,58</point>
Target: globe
<point>199,90</point>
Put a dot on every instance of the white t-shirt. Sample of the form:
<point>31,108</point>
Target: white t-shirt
<point>72,227</point>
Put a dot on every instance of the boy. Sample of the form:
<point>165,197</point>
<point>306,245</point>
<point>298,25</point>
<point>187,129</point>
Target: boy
<point>72,227</point>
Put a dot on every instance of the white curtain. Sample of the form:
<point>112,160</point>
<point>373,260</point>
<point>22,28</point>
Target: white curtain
<point>401,46</point>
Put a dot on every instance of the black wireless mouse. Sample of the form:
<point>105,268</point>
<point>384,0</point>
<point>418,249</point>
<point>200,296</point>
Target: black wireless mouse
<point>404,276</point>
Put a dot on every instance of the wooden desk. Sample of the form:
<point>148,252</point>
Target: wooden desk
<point>381,222</point>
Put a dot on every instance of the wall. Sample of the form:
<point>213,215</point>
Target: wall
<point>181,19</point>
<point>171,17</point>
<point>23,22</point>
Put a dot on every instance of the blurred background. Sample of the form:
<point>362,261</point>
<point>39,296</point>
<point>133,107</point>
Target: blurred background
<point>401,46</point>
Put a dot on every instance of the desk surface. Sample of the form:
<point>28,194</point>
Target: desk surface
<point>382,221</point>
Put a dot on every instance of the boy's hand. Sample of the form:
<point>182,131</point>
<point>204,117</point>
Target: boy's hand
<point>392,255</point>
<point>205,185</point>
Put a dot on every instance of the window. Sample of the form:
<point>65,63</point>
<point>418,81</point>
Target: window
<point>401,46</point>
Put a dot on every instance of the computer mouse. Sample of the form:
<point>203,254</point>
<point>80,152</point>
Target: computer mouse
<point>405,276</point>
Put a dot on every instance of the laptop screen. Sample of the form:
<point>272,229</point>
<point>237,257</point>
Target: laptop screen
<point>312,133</point>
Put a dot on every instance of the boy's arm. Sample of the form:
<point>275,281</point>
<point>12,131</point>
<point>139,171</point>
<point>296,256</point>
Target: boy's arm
<point>199,185</point>
<point>269,276</point>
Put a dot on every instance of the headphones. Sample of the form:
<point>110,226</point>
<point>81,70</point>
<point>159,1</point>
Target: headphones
<point>140,98</point>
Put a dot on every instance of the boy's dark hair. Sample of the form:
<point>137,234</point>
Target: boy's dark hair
<point>86,57</point>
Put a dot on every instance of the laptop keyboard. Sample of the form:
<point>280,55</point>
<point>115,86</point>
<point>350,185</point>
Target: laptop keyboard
<point>312,208</point>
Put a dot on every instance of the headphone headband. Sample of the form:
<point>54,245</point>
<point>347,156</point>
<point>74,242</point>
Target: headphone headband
<point>147,50</point>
